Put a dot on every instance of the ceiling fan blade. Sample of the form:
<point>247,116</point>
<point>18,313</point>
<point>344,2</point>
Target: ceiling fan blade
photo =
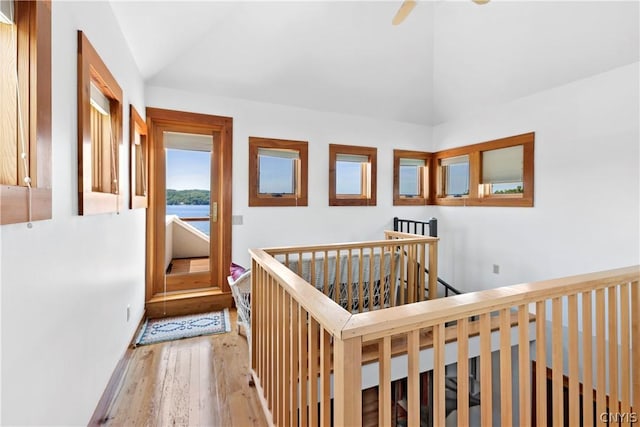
<point>404,11</point>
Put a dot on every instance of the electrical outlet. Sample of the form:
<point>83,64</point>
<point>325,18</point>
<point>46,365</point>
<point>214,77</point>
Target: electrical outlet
<point>496,269</point>
<point>128,312</point>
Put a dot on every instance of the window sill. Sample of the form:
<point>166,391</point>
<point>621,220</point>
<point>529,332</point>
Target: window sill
<point>351,201</point>
<point>99,203</point>
<point>410,201</point>
<point>15,204</point>
<point>274,201</point>
<point>499,201</point>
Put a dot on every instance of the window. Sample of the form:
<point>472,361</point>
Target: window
<point>352,175</point>
<point>410,177</point>
<point>138,166</point>
<point>99,133</point>
<point>277,172</point>
<point>493,173</point>
<point>25,112</point>
<point>455,176</point>
<point>502,172</point>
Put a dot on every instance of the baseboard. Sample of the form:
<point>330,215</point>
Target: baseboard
<point>101,412</point>
<point>180,304</point>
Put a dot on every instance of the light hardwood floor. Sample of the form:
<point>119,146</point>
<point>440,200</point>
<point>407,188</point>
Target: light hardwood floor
<point>189,265</point>
<point>191,382</point>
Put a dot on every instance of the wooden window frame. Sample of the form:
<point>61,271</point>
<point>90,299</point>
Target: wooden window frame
<point>91,68</point>
<point>477,197</point>
<point>33,21</point>
<point>300,197</point>
<point>363,199</point>
<point>424,198</point>
<point>138,137</point>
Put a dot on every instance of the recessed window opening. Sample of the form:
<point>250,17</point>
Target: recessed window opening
<point>411,173</point>
<point>25,111</point>
<point>455,176</point>
<point>99,133</point>
<point>502,171</point>
<point>352,175</point>
<point>278,171</point>
<point>104,144</point>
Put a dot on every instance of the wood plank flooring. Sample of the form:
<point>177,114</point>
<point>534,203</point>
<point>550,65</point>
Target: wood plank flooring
<point>189,265</point>
<point>199,381</point>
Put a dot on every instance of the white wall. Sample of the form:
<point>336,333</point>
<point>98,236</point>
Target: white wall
<point>586,215</point>
<point>316,223</point>
<point>66,283</point>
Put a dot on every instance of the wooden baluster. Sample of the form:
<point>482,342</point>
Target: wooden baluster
<point>486,405</point>
<point>269,385</point>
<point>372,278</point>
<point>404,280</point>
<point>421,273</point>
<point>411,270</point>
<point>347,368</point>
<point>613,349</point>
<point>300,264</point>
<point>349,282</point>
<point>337,285</point>
<point>256,312</point>
<point>439,397</point>
<point>325,378</point>
<point>279,357</point>
<point>556,363</point>
<point>361,281</point>
<point>295,361</point>
<point>635,344</point>
<point>312,273</point>
<point>393,285</point>
<point>541,364</point>
<point>587,359</point>
<point>433,269</point>
<point>524,367</point>
<point>601,384</point>
<point>573,355</point>
<point>286,356</point>
<point>413,378</point>
<point>314,342</point>
<point>463,372</point>
<point>303,346</point>
<point>506,416</point>
<point>625,349</point>
<point>326,273</point>
<point>384,394</point>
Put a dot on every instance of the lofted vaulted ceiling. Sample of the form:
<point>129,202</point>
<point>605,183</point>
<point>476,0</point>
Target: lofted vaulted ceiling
<point>447,59</point>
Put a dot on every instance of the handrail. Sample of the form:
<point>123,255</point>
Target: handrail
<point>350,245</point>
<point>330,314</point>
<point>373,325</point>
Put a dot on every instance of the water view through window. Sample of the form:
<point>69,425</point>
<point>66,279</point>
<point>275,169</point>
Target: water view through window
<point>188,182</point>
<point>192,211</point>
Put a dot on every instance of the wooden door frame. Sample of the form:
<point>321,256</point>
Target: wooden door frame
<point>221,128</point>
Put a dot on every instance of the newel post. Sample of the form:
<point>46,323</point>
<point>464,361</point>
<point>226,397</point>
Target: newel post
<point>347,393</point>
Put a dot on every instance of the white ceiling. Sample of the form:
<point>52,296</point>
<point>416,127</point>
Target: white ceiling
<point>447,59</point>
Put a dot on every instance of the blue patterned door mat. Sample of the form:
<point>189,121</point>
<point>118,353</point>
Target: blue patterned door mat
<point>175,328</point>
